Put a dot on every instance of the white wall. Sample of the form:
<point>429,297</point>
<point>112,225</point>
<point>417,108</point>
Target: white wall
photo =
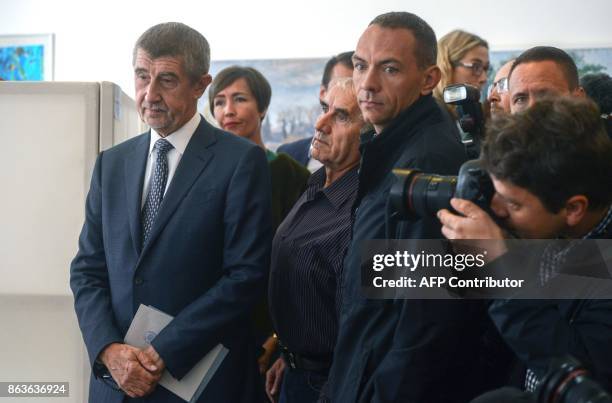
<point>58,129</point>
<point>94,38</point>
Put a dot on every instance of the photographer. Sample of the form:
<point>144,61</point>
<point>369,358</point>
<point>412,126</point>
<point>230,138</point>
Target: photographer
<point>550,167</point>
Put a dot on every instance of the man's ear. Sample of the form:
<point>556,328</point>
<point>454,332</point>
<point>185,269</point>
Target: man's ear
<point>201,84</point>
<point>431,78</point>
<point>322,91</point>
<point>575,209</point>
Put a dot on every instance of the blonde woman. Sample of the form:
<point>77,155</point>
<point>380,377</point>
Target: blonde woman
<point>463,58</point>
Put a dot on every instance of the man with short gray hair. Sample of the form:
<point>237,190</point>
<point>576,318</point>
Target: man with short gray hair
<point>308,250</point>
<point>178,219</point>
<point>337,66</point>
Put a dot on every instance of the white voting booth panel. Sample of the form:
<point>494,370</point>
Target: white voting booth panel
<point>51,133</point>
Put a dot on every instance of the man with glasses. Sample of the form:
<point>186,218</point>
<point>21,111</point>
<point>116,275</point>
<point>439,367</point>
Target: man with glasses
<point>497,94</point>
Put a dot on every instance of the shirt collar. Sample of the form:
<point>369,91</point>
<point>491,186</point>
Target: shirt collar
<point>602,226</point>
<point>180,138</point>
<point>270,155</point>
<point>338,192</point>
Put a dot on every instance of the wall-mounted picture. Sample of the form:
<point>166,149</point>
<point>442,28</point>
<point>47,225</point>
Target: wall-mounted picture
<point>26,57</point>
<point>294,106</point>
<point>588,60</point>
<point>295,88</point>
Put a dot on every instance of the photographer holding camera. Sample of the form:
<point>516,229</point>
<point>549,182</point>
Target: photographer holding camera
<point>551,169</point>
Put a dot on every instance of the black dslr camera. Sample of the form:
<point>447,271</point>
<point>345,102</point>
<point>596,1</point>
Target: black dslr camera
<point>417,194</point>
<point>569,382</point>
<point>566,382</point>
<point>467,100</point>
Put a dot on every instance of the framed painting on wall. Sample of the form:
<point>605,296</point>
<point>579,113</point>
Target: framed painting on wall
<point>294,106</point>
<point>588,60</point>
<point>26,57</point>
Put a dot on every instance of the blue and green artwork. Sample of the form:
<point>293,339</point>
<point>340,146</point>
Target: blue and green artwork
<point>22,63</point>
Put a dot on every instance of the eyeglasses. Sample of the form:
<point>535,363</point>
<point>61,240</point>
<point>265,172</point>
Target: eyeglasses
<point>476,67</point>
<point>501,85</point>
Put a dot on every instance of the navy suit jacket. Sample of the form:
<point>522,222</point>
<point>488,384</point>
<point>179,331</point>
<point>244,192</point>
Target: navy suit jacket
<point>205,262</point>
<point>298,150</point>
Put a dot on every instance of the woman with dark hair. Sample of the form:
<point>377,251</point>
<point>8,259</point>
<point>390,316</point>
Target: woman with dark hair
<point>239,98</point>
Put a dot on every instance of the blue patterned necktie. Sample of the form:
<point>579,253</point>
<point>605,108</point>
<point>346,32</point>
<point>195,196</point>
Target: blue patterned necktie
<point>157,185</point>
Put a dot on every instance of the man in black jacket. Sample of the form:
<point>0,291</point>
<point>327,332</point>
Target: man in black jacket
<point>550,167</point>
<point>401,350</point>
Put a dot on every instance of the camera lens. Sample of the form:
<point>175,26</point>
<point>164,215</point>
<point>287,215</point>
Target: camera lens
<point>570,383</point>
<point>584,390</point>
<point>430,193</point>
<point>419,194</point>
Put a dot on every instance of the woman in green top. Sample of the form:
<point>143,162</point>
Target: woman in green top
<point>239,98</point>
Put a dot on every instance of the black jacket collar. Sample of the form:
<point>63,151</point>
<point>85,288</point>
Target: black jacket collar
<point>380,152</point>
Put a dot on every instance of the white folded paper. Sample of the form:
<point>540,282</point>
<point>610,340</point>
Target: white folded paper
<point>147,323</point>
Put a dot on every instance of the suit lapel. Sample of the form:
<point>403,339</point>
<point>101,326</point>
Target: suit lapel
<point>193,161</point>
<point>135,164</point>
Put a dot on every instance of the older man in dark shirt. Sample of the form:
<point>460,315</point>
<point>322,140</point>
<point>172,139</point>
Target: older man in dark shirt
<point>308,252</point>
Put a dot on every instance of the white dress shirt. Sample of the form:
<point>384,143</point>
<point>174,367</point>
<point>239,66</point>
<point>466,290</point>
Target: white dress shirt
<point>179,140</point>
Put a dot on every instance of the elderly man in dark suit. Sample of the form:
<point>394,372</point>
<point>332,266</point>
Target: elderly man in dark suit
<point>177,218</point>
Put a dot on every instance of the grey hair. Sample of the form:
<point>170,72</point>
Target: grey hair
<point>176,39</point>
<point>346,84</point>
